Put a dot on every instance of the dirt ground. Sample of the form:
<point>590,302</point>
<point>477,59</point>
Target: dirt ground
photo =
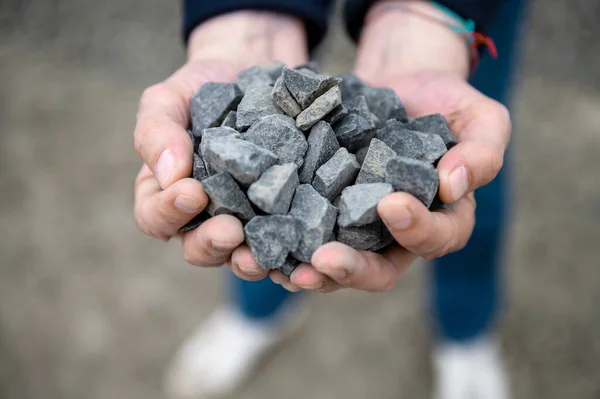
<point>91,308</point>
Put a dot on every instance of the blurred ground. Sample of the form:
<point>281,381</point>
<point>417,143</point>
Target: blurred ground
<point>91,308</point>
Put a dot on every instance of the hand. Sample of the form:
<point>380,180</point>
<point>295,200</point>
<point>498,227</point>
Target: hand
<point>166,198</point>
<point>428,72</point>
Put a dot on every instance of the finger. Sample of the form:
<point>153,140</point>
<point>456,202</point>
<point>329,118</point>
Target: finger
<point>424,233</point>
<point>483,130</point>
<point>244,266</point>
<point>161,213</point>
<point>212,243</point>
<point>361,270</point>
<point>278,278</point>
<point>160,136</point>
<point>307,278</point>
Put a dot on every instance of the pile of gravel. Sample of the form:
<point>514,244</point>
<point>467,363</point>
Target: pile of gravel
<point>302,158</point>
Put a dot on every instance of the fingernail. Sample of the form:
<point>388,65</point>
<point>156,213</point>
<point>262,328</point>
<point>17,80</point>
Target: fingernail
<point>250,270</point>
<point>186,204</point>
<point>459,182</point>
<point>401,218</point>
<point>164,166</point>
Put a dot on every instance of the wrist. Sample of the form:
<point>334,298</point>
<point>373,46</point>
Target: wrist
<point>248,38</point>
<point>402,37</point>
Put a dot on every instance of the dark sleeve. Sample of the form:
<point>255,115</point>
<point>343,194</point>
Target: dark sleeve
<point>314,13</point>
<point>480,11</point>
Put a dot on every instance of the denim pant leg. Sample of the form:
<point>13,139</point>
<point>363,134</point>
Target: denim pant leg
<point>466,286</point>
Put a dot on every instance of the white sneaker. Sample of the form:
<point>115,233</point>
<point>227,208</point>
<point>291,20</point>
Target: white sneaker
<point>471,370</point>
<point>216,359</point>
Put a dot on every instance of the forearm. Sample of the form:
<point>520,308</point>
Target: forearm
<point>396,40</point>
<point>250,38</point>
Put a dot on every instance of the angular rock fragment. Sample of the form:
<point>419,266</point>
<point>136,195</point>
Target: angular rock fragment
<point>284,100</point>
<point>422,146</point>
<point>353,132</point>
<point>378,123</point>
<point>289,266</point>
<point>317,217</point>
<point>211,104</point>
<point>351,86</point>
<point>279,134</point>
<point>385,104</point>
<point>336,114</point>
<point>373,168</point>
<point>319,108</point>
<point>434,124</point>
<point>273,192</point>
<point>358,105</point>
<point>414,177</point>
<point>256,104</point>
<point>337,173</point>
<point>274,69</point>
<point>271,238</point>
<point>245,161</point>
<point>199,171</point>
<point>255,75</point>
<point>230,120</point>
<point>322,144</point>
<point>358,205</point>
<point>226,197</point>
<point>195,222</point>
<point>209,134</point>
<point>371,237</point>
<point>306,87</point>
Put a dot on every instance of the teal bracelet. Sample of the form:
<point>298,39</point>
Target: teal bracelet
<point>468,26</point>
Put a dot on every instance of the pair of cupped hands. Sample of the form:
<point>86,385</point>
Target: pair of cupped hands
<point>429,76</point>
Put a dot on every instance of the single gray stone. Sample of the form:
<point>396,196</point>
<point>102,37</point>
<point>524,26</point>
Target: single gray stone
<point>289,266</point>
<point>434,124</point>
<point>209,134</point>
<point>353,132</point>
<point>284,100</point>
<point>230,120</point>
<point>271,238</point>
<point>351,86</point>
<point>245,161</point>
<point>337,173</point>
<point>376,121</point>
<point>336,202</point>
<point>336,114</point>
<point>274,69</point>
<point>226,197</point>
<point>371,237</point>
<point>322,144</point>
<point>195,139</point>
<point>256,104</point>
<point>211,104</point>
<point>306,87</point>
<point>358,105</point>
<point>361,154</point>
<point>199,171</point>
<point>358,205</point>
<point>425,147</point>
<point>317,217</point>
<point>319,108</point>
<point>385,104</point>
<point>279,134</point>
<point>255,75</point>
<point>273,192</point>
<point>373,168</point>
<point>195,222</point>
<point>414,177</point>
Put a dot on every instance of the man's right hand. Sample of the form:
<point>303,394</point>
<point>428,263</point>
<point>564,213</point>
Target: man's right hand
<point>166,198</point>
